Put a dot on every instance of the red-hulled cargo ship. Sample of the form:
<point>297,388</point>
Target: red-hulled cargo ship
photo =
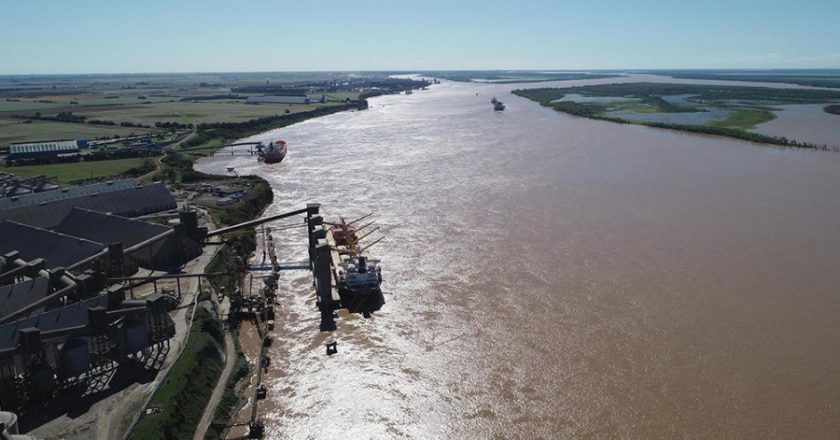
<point>274,152</point>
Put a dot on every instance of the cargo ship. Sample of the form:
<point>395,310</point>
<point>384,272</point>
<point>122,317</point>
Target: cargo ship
<point>273,153</point>
<point>497,105</point>
<point>358,285</point>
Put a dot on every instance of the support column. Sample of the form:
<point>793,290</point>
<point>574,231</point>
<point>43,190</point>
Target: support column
<point>323,286</point>
<point>313,223</point>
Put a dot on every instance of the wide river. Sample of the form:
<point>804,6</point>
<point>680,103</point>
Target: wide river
<point>549,276</point>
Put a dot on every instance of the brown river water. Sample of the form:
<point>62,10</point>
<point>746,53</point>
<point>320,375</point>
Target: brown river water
<point>549,276</point>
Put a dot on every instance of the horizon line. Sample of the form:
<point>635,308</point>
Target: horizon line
<point>420,71</point>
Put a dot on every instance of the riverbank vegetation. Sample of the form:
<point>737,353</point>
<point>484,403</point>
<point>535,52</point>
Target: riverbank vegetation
<point>805,77</point>
<point>231,399</point>
<point>744,119</point>
<point>183,395</point>
<point>721,110</point>
<point>220,132</point>
<point>697,93</point>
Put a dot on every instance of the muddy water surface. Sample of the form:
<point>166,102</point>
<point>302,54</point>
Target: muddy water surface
<point>548,276</point>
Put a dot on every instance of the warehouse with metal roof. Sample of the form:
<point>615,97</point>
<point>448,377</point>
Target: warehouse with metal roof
<point>66,193</point>
<point>150,245</point>
<point>59,250</point>
<point>28,150</point>
<point>131,202</point>
<point>14,297</point>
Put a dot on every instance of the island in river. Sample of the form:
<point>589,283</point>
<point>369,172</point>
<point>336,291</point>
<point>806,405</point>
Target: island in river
<point>734,111</point>
<point>829,78</point>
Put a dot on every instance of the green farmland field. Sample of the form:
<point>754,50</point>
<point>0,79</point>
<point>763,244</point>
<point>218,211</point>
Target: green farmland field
<point>194,112</point>
<point>65,173</point>
<point>15,130</point>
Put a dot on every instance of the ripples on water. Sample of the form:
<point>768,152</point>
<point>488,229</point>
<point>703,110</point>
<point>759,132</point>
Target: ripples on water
<point>551,276</point>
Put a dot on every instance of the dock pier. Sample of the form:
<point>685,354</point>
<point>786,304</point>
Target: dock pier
<point>326,259</point>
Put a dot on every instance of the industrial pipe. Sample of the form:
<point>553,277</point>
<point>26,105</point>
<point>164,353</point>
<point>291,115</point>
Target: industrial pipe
<point>69,286</point>
<point>145,243</point>
<point>22,267</point>
<point>258,221</point>
<point>96,256</point>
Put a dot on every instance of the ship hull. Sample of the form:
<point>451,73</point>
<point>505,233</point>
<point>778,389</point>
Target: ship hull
<point>271,158</point>
<point>365,300</point>
<point>274,153</point>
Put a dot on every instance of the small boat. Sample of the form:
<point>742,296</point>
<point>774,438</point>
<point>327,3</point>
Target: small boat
<point>498,106</point>
<point>273,153</point>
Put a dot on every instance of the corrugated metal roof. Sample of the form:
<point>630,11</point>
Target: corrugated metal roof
<point>131,202</point>
<point>108,228</point>
<point>58,249</point>
<point>35,148</point>
<point>66,193</point>
<point>73,315</point>
<point>16,296</point>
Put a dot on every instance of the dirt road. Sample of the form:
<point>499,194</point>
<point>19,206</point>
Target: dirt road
<point>216,397</point>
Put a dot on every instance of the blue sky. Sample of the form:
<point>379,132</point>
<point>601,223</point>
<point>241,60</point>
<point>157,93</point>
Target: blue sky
<point>83,36</point>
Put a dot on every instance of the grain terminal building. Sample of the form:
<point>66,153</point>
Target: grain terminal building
<point>123,197</point>
<point>63,320</point>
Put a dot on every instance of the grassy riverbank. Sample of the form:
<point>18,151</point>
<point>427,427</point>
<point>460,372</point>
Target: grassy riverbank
<point>717,110</point>
<point>185,392</point>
